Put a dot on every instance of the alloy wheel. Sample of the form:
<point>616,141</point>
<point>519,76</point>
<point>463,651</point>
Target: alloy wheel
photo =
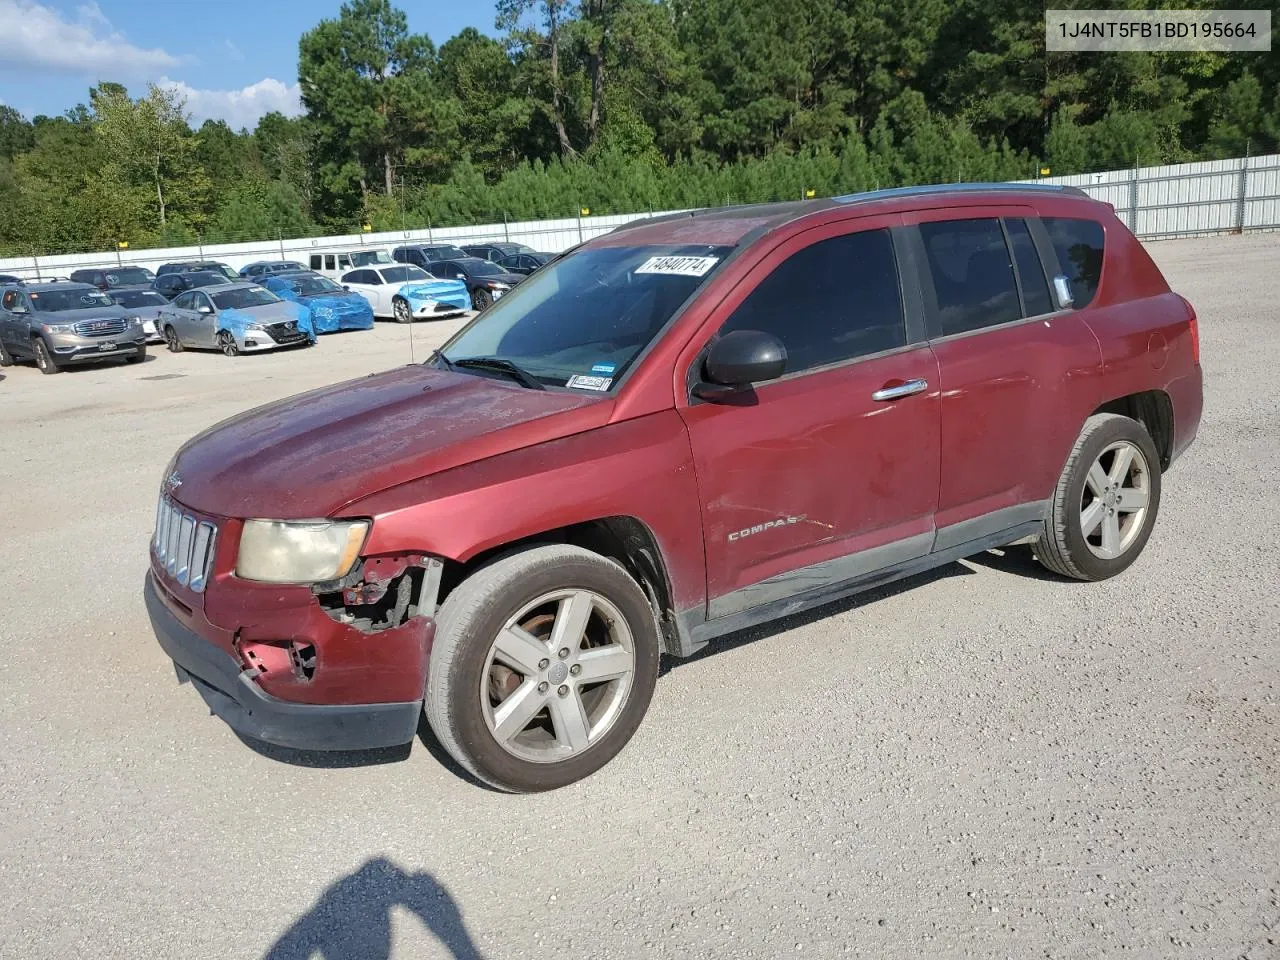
<point>557,676</point>
<point>227,343</point>
<point>1113,504</point>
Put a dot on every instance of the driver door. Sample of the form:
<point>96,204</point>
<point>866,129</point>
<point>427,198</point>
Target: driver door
<point>204,320</point>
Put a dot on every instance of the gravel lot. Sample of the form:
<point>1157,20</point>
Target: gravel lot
<point>985,761</point>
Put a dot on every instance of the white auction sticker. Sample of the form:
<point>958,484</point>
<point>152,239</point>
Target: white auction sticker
<point>679,266</point>
<point>583,382</point>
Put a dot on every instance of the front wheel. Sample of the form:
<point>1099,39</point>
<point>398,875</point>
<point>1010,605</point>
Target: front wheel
<point>401,310</point>
<point>543,665</point>
<point>172,341</point>
<point>44,359</point>
<point>137,356</point>
<point>6,359</point>
<point>227,344</point>
<point>1105,503</point>
<point>480,299</point>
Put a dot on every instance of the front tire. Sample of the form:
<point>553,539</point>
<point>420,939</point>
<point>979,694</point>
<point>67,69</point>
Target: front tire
<point>480,299</point>
<point>1106,501</point>
<point>138,355</point>
<point>6,359</point>
<point>543,665</point>
<point>227,344</point>
<point>44,359</point>
<point>400,308</point>
<point>172,340</point>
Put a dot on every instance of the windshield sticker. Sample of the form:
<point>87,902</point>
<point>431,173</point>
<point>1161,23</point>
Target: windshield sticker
<point>605,369</point>
<point>89,298</point>
<point>589,383</point>
<point>679,266</point>
<point>112,277</point>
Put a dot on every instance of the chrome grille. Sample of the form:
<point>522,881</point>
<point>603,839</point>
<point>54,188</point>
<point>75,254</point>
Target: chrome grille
<point>100,328</point>
<point>184,545</point>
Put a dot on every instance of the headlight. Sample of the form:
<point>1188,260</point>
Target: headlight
<point>135,319</point>
<point>305,551</point>
<point>499,286</point>
<point>59,327</point>
<point>254,327</point>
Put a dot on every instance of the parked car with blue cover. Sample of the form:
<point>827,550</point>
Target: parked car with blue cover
<point>332,308</point>
<point>235,318</point>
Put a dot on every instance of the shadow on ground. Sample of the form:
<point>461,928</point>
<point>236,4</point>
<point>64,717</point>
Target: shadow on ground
<point>352,919</point>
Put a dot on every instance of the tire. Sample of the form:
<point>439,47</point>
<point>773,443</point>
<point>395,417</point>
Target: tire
<point>171,340</point>
<point>6,358</point>
<point>227,344</point>
<point>44,359</point>
<point>469,684</point>
<point>1119,516</point>
<point>480,299</point>
<point>138,355</point>
<point>400,308</point>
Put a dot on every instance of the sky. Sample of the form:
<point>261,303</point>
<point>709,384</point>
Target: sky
<point>235,60</point>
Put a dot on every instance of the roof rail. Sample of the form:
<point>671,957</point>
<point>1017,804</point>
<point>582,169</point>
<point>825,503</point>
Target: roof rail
<point>932,188</point>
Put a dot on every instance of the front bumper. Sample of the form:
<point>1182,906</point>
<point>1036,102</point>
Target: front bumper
<point>257,341</point>
<point>232,695</point>
<point>87,351</point>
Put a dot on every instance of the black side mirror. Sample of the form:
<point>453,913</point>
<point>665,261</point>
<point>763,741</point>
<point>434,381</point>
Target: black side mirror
<point>739,359</point>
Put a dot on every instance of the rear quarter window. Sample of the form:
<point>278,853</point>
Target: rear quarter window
<point>1079,244</point>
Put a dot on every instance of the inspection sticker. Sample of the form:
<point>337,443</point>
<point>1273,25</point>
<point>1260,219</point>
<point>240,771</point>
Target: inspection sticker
<point>589,383</point>
<point>605,369</point>
<point>679,266</point>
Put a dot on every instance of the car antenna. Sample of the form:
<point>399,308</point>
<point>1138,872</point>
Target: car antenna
<point>411,325</point>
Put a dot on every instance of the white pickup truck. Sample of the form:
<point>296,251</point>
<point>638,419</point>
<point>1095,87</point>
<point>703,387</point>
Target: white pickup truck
<point>334,263</point>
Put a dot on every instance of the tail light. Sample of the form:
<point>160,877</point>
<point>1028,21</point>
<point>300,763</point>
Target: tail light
<point>1194,325</point>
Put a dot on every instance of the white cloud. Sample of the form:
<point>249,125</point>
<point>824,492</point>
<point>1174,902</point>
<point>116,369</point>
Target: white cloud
<point>243,107</point>
<point>40,37</point>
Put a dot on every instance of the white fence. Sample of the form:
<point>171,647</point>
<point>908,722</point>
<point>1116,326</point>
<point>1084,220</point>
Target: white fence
<point>1189,199</point>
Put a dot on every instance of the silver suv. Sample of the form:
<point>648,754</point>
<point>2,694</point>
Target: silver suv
<point>59,324</point>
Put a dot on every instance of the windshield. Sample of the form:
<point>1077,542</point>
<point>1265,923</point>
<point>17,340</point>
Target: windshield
<point>221,268</point>
<point>582,320</point>
<point>56,301</point>
<point>482,269</point>
<point>370,258</point>
<point>306,286</point>
<point>285,267</point>
<point>128,276</point>
<point>206,279</point>
<point>243,297</point>
<point>446,253</point>
<point>403,273</point>
<point>138,298</point>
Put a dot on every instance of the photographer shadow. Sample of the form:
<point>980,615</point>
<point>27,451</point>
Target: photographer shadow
<point>352,919</point>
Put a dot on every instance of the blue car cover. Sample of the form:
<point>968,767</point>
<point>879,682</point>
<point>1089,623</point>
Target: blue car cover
<point>237,321</point>
<point>450,292</point>
<point>329,311</point>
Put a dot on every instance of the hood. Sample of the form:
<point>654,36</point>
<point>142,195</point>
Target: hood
<point>310,455</point>
<point>76,316</point>
<point>511,279</point>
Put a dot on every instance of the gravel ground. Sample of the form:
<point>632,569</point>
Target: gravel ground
<point>986,761</point>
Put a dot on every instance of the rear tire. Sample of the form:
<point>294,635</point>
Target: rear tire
<point>480,299</point>
<point>44,359</point>
<point>401,310</point>
<point>575,683</point>
<point>227,344</point>
<point>171,340</point>
<point>1106,501</point>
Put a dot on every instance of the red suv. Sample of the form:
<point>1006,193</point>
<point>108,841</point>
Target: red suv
<point>688,426</point>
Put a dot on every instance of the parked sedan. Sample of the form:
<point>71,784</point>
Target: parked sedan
<point>381,286</point>
<point>169,285</point>
<point>525,263</point>
<point>261,269</point>
<point>485,281</point>
<point>235,318</point>
<point>143,303</point>
<point>332,308</point>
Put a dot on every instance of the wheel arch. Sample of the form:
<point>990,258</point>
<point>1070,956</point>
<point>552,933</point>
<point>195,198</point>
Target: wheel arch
<point>1154,410</point>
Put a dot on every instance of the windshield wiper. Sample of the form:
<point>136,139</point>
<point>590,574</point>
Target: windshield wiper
<point>444,361</point>
<point>499,365</point>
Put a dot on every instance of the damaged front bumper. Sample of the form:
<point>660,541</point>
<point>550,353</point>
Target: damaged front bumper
<point>235,689</point>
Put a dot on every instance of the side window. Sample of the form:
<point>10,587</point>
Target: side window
<point>316,260</point>
<point>972,274</point>
<point>1035,290</point>
<point>835,300</point>
<point>1079,247</point>
<point>344,261</point>
<point>185,301</point>
<point>329,262</point>
<point>10,299</point>
<point>371,277</point>
<point>200,301</point>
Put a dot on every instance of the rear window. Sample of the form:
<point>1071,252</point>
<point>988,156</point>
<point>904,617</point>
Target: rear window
<point>1079,247</point>
<point>1035,291</point>
<point>972,274</point>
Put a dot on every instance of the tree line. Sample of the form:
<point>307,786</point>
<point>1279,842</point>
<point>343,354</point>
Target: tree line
<point>621,106</point>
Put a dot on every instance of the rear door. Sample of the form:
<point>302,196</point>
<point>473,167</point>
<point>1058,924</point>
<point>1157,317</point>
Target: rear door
<point>9,323</point>
<point>204,320</point>
<point>820,476</point>
<point>1007,359</point>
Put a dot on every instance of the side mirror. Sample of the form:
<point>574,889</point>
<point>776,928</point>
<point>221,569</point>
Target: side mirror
<point>204,308</point>
<point>345,287</point>
<point>739,359</point>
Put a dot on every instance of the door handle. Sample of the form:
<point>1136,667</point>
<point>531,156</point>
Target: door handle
<point>901,390</point>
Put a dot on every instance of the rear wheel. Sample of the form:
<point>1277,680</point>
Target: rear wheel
<point>480,299</point>
<point>44,359</point>
<point>543,665</point>
<point>227,344</point>
<point>1105,503</point>
<point>401,310</point>
<point>172,341</point>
